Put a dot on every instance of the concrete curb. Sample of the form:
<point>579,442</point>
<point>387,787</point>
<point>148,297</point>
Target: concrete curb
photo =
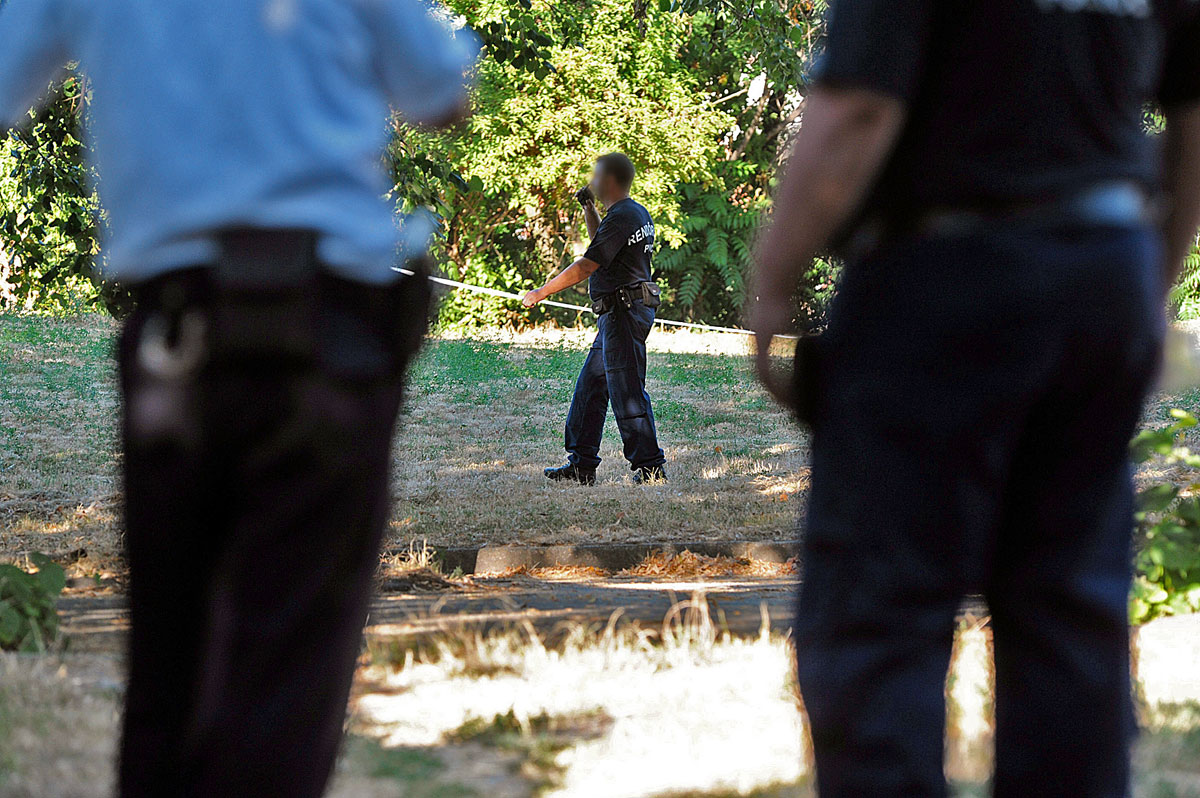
<point>609,556</point>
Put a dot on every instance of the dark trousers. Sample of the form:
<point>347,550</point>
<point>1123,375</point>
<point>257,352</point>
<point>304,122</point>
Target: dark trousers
<point>615,373</point>
<point>975,401</point>
<point>258,428</point>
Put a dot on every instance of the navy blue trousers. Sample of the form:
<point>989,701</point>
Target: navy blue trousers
<point>975,401</point>
<point>615,373</point>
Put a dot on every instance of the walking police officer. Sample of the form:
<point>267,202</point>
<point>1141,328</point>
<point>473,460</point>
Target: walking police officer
<point>984,170</point>
<point>239,147</point>
<point>624,296</point>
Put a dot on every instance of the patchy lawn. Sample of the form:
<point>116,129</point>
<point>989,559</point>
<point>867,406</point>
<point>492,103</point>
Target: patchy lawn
<point>484,417</point>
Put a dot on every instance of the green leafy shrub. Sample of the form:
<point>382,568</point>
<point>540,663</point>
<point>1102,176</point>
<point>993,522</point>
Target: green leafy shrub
<point>48,211</point>
<point>1167,559</point>
<point>705,270</point>
<point>1185,296</point>
<point>28,618</point>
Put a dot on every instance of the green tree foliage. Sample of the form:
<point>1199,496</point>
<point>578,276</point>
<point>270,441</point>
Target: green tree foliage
<point>617,85</point>
<point>670,84</point>
<point>1185,296</point>
<point>700,94</point>
<point>48,212</point>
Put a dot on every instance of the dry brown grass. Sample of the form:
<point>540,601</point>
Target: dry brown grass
<point>471,474</point>
<point>609,713</point>
<point>687,565</point>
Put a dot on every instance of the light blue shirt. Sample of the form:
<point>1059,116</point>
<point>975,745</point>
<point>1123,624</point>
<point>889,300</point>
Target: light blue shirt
<point>208,114</point>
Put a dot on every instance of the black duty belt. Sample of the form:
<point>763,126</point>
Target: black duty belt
<point>1111,204</point>
<point>267,294</point>
<point>647,293</point>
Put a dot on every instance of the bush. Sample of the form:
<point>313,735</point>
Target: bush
<point>1185,296</point>
<point>1167,559</point>
<point>48,211</point>
<point>28,618</point>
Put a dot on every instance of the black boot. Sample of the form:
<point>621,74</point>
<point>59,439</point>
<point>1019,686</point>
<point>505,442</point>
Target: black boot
<point>649,474</point>
<point>572,473</point>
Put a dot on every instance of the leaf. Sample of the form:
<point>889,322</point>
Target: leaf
<point>1183,419</point>
<point>10,625</point>
<point>1189,510</point>
<point>1157,498</point>
<point>50,575</point>
<point>16,583</point>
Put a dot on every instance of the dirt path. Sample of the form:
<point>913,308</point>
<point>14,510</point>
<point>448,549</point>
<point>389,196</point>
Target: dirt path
<point>740,604</point>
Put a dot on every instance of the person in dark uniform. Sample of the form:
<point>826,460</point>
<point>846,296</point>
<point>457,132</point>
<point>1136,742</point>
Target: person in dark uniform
<point>240,152</point>
<point>624,297</point>
<point>983,169</point>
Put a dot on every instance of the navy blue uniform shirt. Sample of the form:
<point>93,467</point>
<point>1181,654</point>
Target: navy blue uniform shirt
<point>1018,100</point>
<point>622,246</point>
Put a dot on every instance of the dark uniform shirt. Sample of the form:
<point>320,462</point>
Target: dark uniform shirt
<point>1017,100</point>
<point>622,247</point>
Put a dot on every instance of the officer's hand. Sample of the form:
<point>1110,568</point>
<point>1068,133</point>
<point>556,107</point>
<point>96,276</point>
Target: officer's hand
<point>771,316</point>
<point>531,298</point>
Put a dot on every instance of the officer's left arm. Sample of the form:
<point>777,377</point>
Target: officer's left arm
<point>846,139</point>
<point>574,274</point>
<point>33,52</point>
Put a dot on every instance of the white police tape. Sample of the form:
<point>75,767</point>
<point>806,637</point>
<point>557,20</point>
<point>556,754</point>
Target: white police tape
<point>478,289</point>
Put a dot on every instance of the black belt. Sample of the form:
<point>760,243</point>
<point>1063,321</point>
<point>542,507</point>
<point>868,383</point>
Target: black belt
<point>1111,204</point>
<point>648,293</point>
<point>268,295</point>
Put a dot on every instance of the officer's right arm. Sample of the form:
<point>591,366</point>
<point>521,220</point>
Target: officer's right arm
<point>33,52</point>
<point>1181,168</point>
<point>1180,97</point>
<point>870,71</point>
<point>422,63</point>
<point>608,240</point>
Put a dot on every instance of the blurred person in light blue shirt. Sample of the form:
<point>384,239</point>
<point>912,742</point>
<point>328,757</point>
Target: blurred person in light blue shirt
<point>259,113</point>
<point>239,151</point>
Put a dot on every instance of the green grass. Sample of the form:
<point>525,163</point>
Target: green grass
<point>55,375</point>
<point>414,772</point>
<point>483,418</point>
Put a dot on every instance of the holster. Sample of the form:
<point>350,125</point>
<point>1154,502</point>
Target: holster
<point>648,293</point>
<point>806,378</point>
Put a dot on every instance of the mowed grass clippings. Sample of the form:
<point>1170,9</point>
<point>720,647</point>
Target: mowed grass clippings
<point>483,418</point>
